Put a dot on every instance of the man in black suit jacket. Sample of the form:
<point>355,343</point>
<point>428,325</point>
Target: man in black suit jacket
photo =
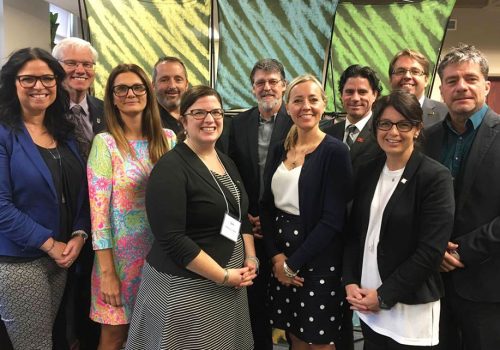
<point>359,87</point>
<point>468,143</point>
<point>252,134</point>
<point>78,59</point>
<point>409,71</point>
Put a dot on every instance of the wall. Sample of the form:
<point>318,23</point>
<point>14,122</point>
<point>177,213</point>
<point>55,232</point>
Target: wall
<point>24,23</point>
<point>480,28</point>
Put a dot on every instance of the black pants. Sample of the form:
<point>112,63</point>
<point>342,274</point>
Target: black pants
<point>468,325</point>
<point>258,302</point>
<point>376,341</point>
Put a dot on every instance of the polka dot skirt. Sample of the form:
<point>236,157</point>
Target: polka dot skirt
<point>313,312</point>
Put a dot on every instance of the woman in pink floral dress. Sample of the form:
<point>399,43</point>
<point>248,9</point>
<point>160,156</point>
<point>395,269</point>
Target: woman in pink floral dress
<point>119,165</point>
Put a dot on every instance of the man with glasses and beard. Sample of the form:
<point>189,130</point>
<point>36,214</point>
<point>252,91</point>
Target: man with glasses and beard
<point>252,134</point>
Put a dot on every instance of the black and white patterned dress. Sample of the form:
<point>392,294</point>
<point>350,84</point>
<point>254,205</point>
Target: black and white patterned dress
<point>174,312</point>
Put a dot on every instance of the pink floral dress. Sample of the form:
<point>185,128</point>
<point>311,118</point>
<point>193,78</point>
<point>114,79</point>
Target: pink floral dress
<point>117,186</point>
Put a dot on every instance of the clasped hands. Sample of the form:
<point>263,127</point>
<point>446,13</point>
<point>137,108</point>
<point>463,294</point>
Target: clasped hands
<point>65,254</point>
<point>242,277</point>
<point>362,299</point>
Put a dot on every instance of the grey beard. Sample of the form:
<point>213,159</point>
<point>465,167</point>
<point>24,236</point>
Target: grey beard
<point>268,106</point>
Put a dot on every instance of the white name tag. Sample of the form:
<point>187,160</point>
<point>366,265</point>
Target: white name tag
<point>230,228</point>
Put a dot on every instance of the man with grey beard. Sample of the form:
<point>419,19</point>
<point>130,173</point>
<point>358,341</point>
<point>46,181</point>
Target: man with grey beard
<point>252,134</point>
<point>170,83</point>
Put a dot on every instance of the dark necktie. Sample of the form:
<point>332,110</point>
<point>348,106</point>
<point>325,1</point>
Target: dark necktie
<point>351,130</point>
<point>83,131</point>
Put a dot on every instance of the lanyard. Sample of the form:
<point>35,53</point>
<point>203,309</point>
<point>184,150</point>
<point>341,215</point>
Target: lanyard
<point>221,191</point>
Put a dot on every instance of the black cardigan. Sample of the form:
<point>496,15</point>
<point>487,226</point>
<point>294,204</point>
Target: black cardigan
<point>185,210</point>
<point>416,226</point>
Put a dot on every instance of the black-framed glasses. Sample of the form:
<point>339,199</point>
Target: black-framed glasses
<point>29,81</point>
<point>415,72</point>
<point>73,64</point>
<point>403,126</point>
<point>200,114</point>
<point>272,83</point>
<point>122,90</point>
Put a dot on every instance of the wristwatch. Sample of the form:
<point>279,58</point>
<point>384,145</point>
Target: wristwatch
<point>382,304</point>
<point>82,234</point>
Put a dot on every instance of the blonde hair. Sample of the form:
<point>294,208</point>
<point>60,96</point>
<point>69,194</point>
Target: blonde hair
<point>292,136</point>
<point>151,122</point>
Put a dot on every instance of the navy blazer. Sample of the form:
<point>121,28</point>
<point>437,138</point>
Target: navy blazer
<point>325,184</point>
<point>477,213</point>
<point>416,225</point>
<point>243,148</point>
<point>96,114</point>
<point>433,112</point>
<point>29,205</point>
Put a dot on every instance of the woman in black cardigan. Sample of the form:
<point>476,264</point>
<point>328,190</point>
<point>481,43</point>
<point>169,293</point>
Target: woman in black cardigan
<point>401,221</point>
<point>307,185</point>
<point>191,295</point>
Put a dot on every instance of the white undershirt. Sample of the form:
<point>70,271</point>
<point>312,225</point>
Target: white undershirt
<point>416,325</point>
<point>285,187</point>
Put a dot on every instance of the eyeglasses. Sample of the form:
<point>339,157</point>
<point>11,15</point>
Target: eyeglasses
<point>201,114</point>
<point>29,81</point>
<point>272,83</point>
<point>73,64</point>
<point>122,90</point>
<point>415,72</point>
<point>403,126</point>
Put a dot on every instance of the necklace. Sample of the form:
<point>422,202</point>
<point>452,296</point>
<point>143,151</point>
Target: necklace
<point>299,157</point>
<point>57,157</point>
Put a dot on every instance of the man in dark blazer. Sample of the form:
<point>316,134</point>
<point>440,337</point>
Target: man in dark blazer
<point>409,70</point>
<point>468,143</point>
<point>253,133</point>
<point>78,59</point>
<point>359,87</point>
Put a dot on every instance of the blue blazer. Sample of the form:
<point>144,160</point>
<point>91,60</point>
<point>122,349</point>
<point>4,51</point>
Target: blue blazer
<point>29,208</point>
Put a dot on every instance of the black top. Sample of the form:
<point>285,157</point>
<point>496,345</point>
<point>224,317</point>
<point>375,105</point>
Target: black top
<point>170,122</point>
<point>67,174</point>
<point>185,209</point>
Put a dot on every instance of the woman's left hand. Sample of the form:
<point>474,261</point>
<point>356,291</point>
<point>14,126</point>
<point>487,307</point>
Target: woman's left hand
<point>72,251</point>
<point>369,302</point>
<point>279,273</point>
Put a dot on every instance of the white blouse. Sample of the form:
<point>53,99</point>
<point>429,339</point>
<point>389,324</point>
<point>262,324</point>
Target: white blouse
<point>285,187</point>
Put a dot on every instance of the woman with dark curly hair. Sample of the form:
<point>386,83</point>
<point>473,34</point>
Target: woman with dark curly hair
<point>44,213</point>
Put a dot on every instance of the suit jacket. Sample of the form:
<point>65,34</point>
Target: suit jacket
<point>185,209</point>
<point>364,148</point>
<point>325,183</point>
<point>434,112</point>
<point>29,203</point>
<point>243,148</point>
<point>477,213</point>
<point>416,225</point>
<point>96,112</point>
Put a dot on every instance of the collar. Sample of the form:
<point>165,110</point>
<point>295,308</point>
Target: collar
<point>361,123</point>
<point>264,121</point>
<point>83,103</point>
<point>474,121</point>
<point>421,100</point>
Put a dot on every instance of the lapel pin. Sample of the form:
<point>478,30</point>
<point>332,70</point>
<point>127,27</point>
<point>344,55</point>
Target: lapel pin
<point>403,180</point>
<point>98,120</point>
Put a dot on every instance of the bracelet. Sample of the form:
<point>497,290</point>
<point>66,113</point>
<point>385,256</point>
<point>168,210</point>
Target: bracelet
<point>80,233</point>
<point>288,271</point>
<point>226,277</point>
<point>255,260</point>
<point>52,247</point>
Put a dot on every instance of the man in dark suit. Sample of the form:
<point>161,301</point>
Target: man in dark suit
<point>78,59</point>
<point>170,82</point>
<point>359,87</point>
<point>468,143</point>
<point>253,133</point>
<point>409,70</point>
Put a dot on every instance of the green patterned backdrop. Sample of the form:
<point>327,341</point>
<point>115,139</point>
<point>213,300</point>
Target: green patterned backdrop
<point>132,31</point>
<point>371,35</point>
<point>296,32</point>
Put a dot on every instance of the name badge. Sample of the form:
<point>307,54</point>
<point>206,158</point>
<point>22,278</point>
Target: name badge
<point>230,228</point>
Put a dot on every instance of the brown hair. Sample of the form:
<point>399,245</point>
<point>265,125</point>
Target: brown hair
<point>417,56</point>
<point>150,123</point>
